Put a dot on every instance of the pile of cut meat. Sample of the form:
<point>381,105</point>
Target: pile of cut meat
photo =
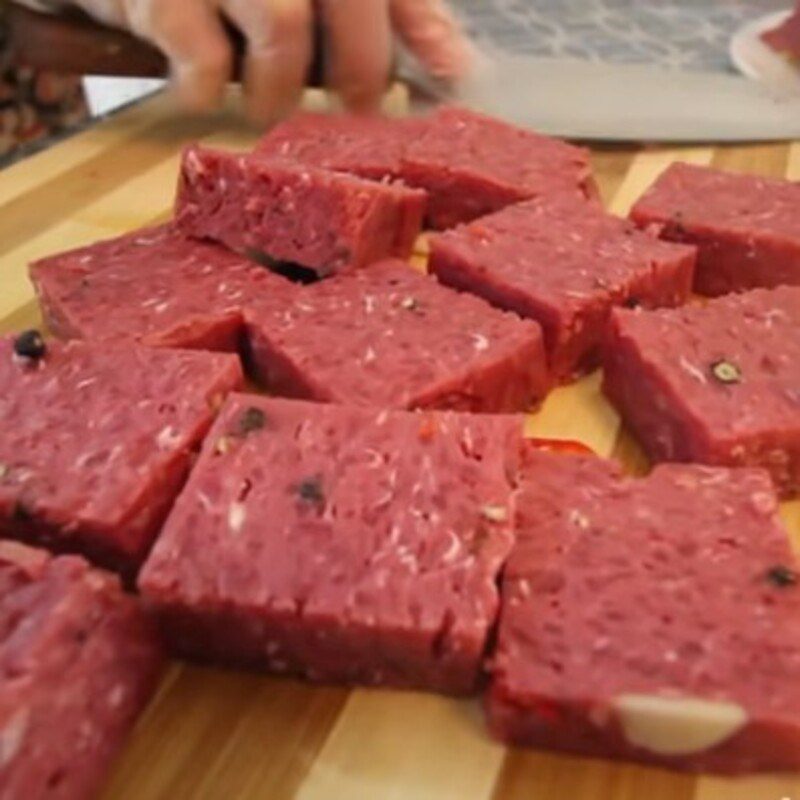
<point>377,517</point>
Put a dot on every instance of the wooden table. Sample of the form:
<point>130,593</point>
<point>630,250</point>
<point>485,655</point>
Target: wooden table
<point>214,734</point>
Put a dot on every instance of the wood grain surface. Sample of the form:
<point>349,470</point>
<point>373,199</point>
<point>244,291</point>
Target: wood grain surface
<point>211,734</point>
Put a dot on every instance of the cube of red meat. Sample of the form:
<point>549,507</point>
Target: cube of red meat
<point>717,384</point>
<point>342,544</point>
<point>323,220</point>
<point>564,263</point>
<point>472,165</point>
<point>155,286</point>
<point>79,661</point>
<point>367,146</point>
<point>97,441</point>
<point>655,619</point>
<point>391,337</point>
<point>745,227</point>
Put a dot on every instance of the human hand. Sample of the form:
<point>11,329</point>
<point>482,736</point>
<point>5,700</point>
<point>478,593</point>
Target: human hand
<point>358,38</point>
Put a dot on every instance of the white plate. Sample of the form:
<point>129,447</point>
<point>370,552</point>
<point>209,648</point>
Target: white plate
<point>753,58</point>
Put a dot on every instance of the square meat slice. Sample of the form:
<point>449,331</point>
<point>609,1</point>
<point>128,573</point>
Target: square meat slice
<point>472,165</point>
<point>717,384</point>
<point>746,228</point>
<point>391,337</point>
<point>367,146</point>
<point>97,440</point>
<point>342,544</point>
<point>564,263</point>
<point>155,286</point>
<point>79,661</point>
<point>654,619</point>
<point>323,220</point>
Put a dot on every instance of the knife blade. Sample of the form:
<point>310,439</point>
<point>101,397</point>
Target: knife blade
<point>625,102</point>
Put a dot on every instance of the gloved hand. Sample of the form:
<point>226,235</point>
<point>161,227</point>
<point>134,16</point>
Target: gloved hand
<point>279,33</point>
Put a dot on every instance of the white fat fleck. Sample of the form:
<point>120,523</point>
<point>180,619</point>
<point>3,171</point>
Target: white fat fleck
<point>694,371</point>
<point>161,307</point>
<point>495,513</point>
<point>237,514</point>
<point>116,696</point>
<point>369,303</point>
<point>481,342</point>
<point>85,383</point>
<point>151,301</point>
<point>205,501</point>
<point>524,587</point>
<point>194,164</point>
<point>370,356</point>
<point>375,458</point>
<point>12,736</point>
<point>381,418</point>
<point>394,534</point>
<point>167,437</point>
<point>578,519</point>
<point>304,307</point>
<point>765,502</point>
<point>452,552</point>
<point>410,561</point>
<point>772,315</point>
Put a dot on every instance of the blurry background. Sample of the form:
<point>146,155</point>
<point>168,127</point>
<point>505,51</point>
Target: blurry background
<point>686,34</point>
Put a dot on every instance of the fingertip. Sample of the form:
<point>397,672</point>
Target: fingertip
<point>200,85</point>
<point>433,34</point>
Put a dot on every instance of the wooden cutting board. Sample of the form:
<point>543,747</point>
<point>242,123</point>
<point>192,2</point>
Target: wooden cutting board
<point>211,734</point>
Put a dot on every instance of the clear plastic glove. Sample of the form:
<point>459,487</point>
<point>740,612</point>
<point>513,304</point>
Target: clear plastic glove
<point>280,34</point>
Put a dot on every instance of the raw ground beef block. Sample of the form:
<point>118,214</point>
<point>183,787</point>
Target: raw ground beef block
<point>717,384</point>
<point>391,337</point>
<point>564,263</point>
<point>323,220</point>
<point>684,654</point>
<point>79,661</point>
<point>746,228</point>
<point>370,147</point>
<point>472,165</point>
<point>97,440</point>
<point>155,286</point>
<point>342,544</point>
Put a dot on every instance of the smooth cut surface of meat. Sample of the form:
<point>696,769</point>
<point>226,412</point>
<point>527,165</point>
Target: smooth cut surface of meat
<point>717,383</point>
<point>323,220</point>
<point>155,286</point>
<point>342,544</point>
<point>79,660</point>
<point>565,263</point>
<point>97,441</point>
<point>472,165</point>
<point>746,228</point>
<point>654,619</point>
<point>367,146</point>
<point>389,337</point>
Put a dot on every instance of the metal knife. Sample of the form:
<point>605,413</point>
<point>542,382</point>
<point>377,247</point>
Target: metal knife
<point>571,98</point>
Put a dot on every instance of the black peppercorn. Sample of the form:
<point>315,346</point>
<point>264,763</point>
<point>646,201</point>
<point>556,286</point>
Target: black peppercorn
<point>781,576</point>
<point>30,344</point>
<point>310,491</point>
<point>253,419</point>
